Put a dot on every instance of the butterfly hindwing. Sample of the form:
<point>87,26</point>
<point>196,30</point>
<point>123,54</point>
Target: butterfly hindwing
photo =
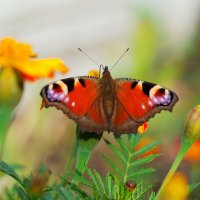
<point>142,100</point>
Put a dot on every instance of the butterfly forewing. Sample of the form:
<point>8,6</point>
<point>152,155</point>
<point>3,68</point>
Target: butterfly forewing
<point>74,96</point>
<point>142,100</point>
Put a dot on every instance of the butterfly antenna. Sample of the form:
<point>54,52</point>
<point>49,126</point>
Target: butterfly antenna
<point>119,59</point>
<point>88,57</point>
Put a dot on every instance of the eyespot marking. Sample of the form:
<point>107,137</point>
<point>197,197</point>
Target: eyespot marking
<point>146,87</point>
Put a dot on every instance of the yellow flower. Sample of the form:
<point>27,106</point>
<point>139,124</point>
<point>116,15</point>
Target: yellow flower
<point>177,188</point>
<point>19,56</point>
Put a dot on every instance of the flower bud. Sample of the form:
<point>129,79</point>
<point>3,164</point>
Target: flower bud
<point>191,125</point>
<point>39,180</point>
<point>11,87</point>
<point>130,186</point>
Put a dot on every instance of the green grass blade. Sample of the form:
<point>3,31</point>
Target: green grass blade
<point>109,184</point>
<point>22,194</point>
<point>5,168</point>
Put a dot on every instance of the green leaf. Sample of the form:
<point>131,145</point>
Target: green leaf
<point>64,193</point>
<point>152,196</point>
<point>140,172</point>
<point>134,140</point>
<point>82,180</point>
<point>193,187</point>
<point>113,165</point>
<point>4,167</point>
<point>145,148</point>
<point>100,181</point>
<point>121,142</point>
<point>144,160</point>
<point>22,194</point>
<point>115,150</point>
<point>92,177</point>
<point>109,184</point>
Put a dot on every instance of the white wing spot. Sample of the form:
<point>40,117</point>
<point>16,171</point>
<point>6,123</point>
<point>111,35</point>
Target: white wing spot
<point>143,107</point>
<point>73,104</point>
<point>66,100</point>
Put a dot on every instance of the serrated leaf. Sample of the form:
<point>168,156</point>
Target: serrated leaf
<point>145,148</point>
<point>4,167</point>
<point>113,165</point>
<point>116,150</point>
<point>144,160</point>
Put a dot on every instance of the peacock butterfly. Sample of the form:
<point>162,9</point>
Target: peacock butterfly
<point>105,104</point>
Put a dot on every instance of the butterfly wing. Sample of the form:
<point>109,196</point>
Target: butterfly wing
<point>138,101</point>
<point>78,98</point>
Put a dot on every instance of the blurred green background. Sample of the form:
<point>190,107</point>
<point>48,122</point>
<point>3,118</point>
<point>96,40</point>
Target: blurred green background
<point>164,42</point>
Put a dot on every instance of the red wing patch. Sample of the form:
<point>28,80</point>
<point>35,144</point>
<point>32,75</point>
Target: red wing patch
<point>73,95</point>
<point>142,100</point>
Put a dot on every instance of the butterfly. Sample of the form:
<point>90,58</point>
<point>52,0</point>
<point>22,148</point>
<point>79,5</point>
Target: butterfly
<point>105,104</point>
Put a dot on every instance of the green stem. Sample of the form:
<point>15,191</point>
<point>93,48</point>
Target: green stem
<point>5,119</point>
<point>86,141</point>
<point>185,145</point>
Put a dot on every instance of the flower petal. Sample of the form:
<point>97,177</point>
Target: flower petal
<point>143,127</point>
<point>41,68</point>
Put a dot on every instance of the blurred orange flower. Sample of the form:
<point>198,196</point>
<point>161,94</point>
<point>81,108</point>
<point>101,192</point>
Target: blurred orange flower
<point>18,55</point>
<point>193,153</point>
<point>94,73</point>
<point>145,141</point>
<point>177,188</point>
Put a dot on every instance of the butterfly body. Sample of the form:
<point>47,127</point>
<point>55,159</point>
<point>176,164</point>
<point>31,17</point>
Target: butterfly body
<point>107,104</point>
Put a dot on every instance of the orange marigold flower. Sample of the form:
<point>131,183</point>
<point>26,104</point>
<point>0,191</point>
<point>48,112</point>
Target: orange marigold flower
<point>145,141</point>
<point>193,153</point>
<point>19,56</point>
<point>177,188</point>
